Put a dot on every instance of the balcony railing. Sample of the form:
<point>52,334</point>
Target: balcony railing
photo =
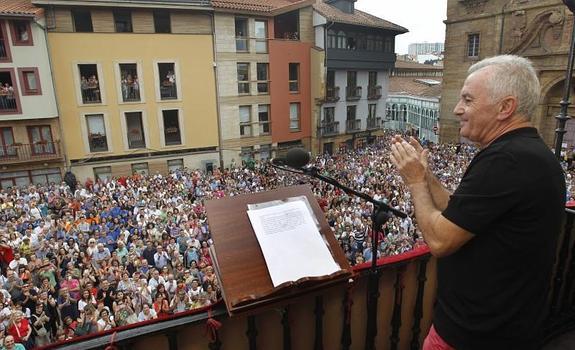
<point>18,152</point>
<point>352,125</point>
<point>8,103</point>
<point>353,93</point>
<point>332,94</point>
<point>336,317</point>
<point>91,94</point>
<point>374,92</point>
<point>168,91</point>
<point>330,128</point>
<point>373,123</point>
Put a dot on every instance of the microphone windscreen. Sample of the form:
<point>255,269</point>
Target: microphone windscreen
<point>297,158</point>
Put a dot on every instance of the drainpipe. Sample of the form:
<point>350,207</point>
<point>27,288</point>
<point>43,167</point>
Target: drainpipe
<point>215,54</point>
<point>329,25</point>
<point>502,28</point>
<point>61,130</point>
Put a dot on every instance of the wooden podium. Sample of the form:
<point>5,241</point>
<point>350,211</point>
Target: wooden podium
<point>239,261</point>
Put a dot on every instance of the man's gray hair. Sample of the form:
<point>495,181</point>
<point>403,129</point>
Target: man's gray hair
<point>515,76</point>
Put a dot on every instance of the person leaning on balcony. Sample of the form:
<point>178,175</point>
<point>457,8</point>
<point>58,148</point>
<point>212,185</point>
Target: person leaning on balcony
<point>495,236</point>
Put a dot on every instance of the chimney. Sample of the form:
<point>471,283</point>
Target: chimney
<point>347,6</point>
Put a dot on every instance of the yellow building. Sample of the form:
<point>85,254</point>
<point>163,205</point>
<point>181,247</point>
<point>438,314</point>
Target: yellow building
<point>135,85</point>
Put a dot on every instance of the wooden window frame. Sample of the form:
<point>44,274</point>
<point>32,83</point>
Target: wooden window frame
<point>4,37</point>
<point>26,91</point>
<point>16,94</point>
<point>15,40</point>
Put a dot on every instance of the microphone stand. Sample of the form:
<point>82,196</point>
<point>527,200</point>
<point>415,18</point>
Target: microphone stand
<point>380,215</point>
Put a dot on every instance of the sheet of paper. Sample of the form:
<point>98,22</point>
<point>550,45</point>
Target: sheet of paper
<point>291,243</point>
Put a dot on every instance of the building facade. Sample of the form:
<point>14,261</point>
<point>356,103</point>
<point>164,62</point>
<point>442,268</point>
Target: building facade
<point>263,69</point>
<point>359,56</point>
<point>413,100</point>
<point>538,30</point>
<point>30,139</point>
<point>135,85</point>
<point>416,49</point>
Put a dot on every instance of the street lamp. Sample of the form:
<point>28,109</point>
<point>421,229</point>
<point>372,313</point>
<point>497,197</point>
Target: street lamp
<point>562,118</point>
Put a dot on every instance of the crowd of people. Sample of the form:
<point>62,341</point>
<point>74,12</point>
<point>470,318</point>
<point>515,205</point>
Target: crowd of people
<point>104,254</point>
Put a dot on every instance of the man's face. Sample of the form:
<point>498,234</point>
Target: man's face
<point>475,109</point>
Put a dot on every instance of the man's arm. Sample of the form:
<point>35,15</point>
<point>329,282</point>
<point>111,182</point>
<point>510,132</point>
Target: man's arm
<point>439,194</point>
<point>442,236</point>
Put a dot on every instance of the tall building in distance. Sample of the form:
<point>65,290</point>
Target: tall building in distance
<point>30,139</point>
<point>416,49</point>
<point>538,31</point>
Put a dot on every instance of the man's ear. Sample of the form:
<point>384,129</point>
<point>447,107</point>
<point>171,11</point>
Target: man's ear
<point>507,107</point>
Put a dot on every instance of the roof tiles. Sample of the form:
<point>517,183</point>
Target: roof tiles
<point>358,17</point>
<point>262,6</point>
<point>19,8</point>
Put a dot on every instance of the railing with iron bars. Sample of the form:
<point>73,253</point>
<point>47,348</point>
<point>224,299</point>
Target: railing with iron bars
<point>17,152</point>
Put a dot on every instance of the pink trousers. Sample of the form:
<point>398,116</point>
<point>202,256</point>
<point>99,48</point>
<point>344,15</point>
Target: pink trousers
<point>434,342</point>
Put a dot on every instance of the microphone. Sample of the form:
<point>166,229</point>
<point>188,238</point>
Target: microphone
<point>295,158</point>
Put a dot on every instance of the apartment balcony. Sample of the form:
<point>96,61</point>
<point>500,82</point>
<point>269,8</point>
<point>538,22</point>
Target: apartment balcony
<point>373,123</point>
<point>352,125</point>
<point>329,129</point>
<point>20,153</point>
<point>332,94</point>
<point>353,93</point>
<point>335,318</point>
<point>374,92</point>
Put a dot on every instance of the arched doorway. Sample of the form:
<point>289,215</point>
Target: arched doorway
<point>551,109</point>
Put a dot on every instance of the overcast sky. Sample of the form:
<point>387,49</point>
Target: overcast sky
<point>423,18</point>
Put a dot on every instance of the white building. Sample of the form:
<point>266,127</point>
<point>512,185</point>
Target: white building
<point>31,151</point>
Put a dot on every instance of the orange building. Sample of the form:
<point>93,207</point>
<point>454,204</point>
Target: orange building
<point>291,96</point>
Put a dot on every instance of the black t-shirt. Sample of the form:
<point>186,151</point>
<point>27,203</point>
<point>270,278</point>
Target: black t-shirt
<point>492,291</point>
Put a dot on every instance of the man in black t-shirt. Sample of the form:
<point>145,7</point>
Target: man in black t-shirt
<point>495,236</point>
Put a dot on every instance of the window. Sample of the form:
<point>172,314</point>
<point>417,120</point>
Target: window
<point>97,139</point>
<point>351,112</point>
<point>82,21</point>
<point>242,38</point>
<point>5,55</point>
<point>473,45</point>
<point>372,80</point>
<point>264,119</point>
<point>262,72</point>
<point>46,176</point>
<point>7,148</point>
<point>21,33</point>
<point>294,112</point>
<point>265,151</point>
<point>329,115</point>
<point>103,173</point>
<point>294,77</point>
<point>162,22</point>
<point>286,26</point>
<point>175,164</point>
<point>8,92</point>
<point>245,121</point>
<point>261,36</point>
<point>372,108</point>
<point>129,82</point>
<point>352,79</point>
<point>89,84</point>
<point>172,131</point>
<point>140,168</point>
<point>168,85</point>
<point>135,130</point>
<point>41,139</point>
<point>123,21</point>
<point>243,78</point>
<point>330,78</point>
<point>331,39</point>
<point>30,81</point>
